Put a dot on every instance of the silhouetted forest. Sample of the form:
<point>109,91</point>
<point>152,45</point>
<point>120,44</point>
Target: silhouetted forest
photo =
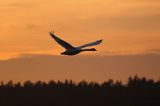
<point>137,92</point>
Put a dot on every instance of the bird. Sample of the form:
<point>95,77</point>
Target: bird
<point>71,50</point>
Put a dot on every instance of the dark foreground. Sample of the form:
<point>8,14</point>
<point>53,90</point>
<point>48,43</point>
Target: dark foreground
<point>138,92</point>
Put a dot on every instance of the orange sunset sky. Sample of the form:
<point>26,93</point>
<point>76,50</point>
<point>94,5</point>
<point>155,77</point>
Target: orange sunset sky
<point>130,30</point>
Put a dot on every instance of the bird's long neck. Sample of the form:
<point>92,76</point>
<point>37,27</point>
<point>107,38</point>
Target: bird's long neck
<point>92,49</point>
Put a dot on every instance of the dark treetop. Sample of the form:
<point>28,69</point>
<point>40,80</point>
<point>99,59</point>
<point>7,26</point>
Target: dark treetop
<point>137,92</point>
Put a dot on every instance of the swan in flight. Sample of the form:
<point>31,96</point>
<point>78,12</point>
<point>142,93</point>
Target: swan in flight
<point>71,50</point>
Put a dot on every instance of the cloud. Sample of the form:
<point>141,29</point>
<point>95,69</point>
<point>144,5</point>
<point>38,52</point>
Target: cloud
<point>131,15</point>
<point>90,68</point>
<point>18,4</point>
<point>125,21</point>
<point>156,51</point>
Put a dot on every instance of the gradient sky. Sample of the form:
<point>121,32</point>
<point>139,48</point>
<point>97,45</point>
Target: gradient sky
<point>127,26</point>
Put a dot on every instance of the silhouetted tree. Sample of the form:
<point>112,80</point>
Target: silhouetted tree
<point>137,92</point>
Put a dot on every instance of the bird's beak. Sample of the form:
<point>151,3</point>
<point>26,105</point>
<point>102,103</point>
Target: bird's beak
<point>62,53</point>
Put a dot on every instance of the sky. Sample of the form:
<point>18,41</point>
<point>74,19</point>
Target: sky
<point>127,27</point>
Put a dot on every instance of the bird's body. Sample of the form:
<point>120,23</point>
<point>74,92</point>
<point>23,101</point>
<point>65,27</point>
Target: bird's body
<point>70,50</point>
<point>76,51</point>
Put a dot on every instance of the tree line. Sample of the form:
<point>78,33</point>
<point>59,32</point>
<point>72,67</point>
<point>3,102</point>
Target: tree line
<point>137,92</point>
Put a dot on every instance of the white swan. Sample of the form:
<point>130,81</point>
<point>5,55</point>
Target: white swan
<point>70,50</point>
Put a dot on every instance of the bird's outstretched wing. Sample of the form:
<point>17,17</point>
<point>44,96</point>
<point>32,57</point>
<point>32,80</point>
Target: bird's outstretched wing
<point>90,44</point>
<point>61,42</point>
